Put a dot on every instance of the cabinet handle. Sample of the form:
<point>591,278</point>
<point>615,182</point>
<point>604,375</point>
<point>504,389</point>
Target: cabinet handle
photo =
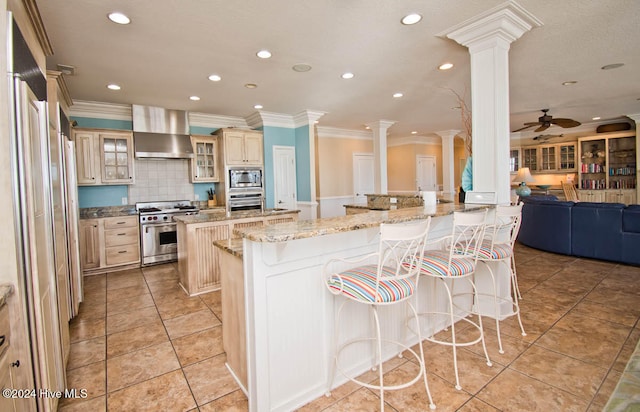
<point>121,223</point>
<point>121,234</point>
<point>16,364</point>
<point>122,251</point>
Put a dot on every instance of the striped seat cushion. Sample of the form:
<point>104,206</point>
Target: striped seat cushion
<point>360,284</point>
<point>435,263</point>
<point>498,252</point>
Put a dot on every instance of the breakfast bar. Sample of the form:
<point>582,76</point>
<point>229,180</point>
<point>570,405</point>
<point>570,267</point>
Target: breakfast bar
<point>289,314</point>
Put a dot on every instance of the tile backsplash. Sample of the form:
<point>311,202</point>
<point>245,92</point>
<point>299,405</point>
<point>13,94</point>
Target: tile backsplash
<point>161,179</point>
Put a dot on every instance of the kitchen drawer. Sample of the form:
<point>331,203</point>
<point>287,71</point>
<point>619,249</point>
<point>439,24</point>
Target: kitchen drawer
<point>118,222</point>
<point>122,236</point>
<point>123,254</point>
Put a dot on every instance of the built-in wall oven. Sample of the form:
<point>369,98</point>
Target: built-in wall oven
<point>245,189</point>
<point>158,229</point>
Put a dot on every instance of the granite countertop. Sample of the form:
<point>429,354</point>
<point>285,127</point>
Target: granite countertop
<point>233,246</point>
<point>311,228</point>
<point>365,206</point>
<point>107,211</point>
<point>6,289</point>
<point>218,217</point>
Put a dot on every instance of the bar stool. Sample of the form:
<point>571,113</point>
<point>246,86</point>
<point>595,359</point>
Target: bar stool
<point>497,247</point>
<point>456,261</point>
<point>391,280</point>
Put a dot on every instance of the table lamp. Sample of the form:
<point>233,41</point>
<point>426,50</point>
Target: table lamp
<point>523,176</point>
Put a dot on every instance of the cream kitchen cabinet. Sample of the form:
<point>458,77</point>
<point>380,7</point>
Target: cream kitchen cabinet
<point>205,166</point>
<point>591,195</point>
<point>104,157</point>
<point>242,147</point>
<point>108,243</point>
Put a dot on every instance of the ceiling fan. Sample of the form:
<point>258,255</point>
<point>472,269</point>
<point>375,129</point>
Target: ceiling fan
<point>547,120</point>
<point>544,137</point>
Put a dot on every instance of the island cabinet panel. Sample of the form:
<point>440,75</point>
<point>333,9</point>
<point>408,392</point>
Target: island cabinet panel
<point>198,263</point>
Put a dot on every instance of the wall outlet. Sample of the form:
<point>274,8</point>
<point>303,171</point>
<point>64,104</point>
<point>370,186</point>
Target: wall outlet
<point>393,200</point>
<point>124,200</point>
<point>196,197</point>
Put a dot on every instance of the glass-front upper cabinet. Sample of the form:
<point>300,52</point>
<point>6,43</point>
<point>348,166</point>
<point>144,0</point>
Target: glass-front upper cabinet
<point>530,158</point>
<point>117,158</point>
<point>548,158</point>
<point>204,167</point>
<point>622,163</point>
<point>567,159</point>
<point>514,160</point>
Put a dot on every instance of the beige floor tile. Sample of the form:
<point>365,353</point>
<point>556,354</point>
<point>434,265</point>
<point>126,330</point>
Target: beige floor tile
<point>163,286</point>
<point>126,293</point>
<point>168,392</point>
<point>171,308</point>
<point>138,366</point>
<point>588,339</point>
<point>513,391</point>
<point>413,398</point>
<point>569,374</point>
<point>615,298</point>
<point>476,405</point>
<point>92,378</point>
<point>606,312</point>
<point>120,281</point>
<point>627,350</point>
<point>159,273</point>
<point>233,402</point>
<point>95,296</point>
<point>605,391</point>
<point>214,301</point>
<point>199,346</point>
<point>130,304</point>
<point>85,352</point>
<point>363,400</point>
<point>210,379</point>
<point>90,311</point>
<point>98,404</point>
<point>137,338</point>
<point>191,323</point>
<point>124,321</point>
<point>86,329</point>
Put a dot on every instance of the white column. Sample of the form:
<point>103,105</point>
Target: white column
<point>488,37</point>
<point>448,183</point>
<point>309,117</point>
<point>379,130</point>
<point>636,118</point>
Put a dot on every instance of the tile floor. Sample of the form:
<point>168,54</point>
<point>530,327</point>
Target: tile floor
<point>139,343</point>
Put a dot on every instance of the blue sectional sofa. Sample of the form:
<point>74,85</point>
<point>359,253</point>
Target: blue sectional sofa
<point>607,231</point>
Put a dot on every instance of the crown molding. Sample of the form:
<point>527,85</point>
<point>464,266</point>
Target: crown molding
<point>62,86</point>
<point>100,110</point>
<point>216,121</point>
<point>262,118</point>
<point>326,132</point>
<point>425,140</point>
<point>35,18</point>
<point>307,117</point>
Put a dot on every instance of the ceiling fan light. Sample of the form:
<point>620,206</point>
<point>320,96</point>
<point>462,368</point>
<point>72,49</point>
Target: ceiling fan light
<point>445,66</point>
<point>410,19</point>
<point>612,66</point>
<point>119,18</point>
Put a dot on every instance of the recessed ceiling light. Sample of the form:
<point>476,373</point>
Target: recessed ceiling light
<point>302,67</point>
<point>595,118</point>
<point>257,106</point>
<point>398,95</point>
<point>412,18</point>
<point>414,132</point>
<point>194,98</point>
<point>113,87</point>
<point>250,85</point>
<point>445,66</point>
<point>569,83</point>
<point>347,75</point>
<point>264,54</point>
<point>215,78</point>
<point>612,66</point>
<point>119,18</point>
<point>367,127</point>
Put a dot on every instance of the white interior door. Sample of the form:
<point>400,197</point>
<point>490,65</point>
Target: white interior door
<point>284,170</point>
<point>362,176</point>
<point>426,173</point>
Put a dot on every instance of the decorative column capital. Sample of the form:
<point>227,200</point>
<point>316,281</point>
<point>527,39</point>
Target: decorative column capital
<point>635,118</point>
<point>381,124</point>
<point>307,117</point>
<point>448,134</point>
<point>506,22</point>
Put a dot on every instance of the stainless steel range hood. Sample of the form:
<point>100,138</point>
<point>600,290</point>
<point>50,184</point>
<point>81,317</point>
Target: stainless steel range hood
<point>161,133</point>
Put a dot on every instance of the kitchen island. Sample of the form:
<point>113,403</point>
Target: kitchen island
<point>289,314</point>
<point>198,265</point>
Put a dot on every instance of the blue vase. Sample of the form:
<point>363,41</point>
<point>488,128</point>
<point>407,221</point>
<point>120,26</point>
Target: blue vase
<point>523,190</point>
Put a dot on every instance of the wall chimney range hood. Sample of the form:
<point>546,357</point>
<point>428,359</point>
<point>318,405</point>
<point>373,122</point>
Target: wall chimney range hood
<point>161,133</point>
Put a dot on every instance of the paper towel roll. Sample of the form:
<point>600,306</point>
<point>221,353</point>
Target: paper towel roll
<point>429,198</point>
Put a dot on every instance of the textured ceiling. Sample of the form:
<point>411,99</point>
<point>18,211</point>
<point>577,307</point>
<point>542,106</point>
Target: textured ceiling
<point>172,46</point>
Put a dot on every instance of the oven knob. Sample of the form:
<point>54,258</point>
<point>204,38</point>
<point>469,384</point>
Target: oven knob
<point>165,218</point>
<point>155,218</point>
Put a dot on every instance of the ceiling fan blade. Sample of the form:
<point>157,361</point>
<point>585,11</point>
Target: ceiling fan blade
<point>526,127</point>
<point>565,122</point>
<point>541,128</point>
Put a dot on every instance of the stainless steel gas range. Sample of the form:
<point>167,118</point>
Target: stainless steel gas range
<point>158,237</point>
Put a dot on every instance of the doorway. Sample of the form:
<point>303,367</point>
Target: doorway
<point>362,176</point>
<point>426,173</point>
<point>284,170</point>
